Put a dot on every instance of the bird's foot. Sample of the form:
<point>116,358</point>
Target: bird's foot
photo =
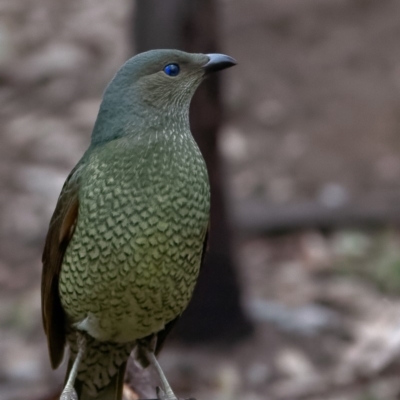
<point>69,393</point>
<point>165,394</point>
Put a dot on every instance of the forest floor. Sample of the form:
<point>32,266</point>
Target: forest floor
<point>312,116</point>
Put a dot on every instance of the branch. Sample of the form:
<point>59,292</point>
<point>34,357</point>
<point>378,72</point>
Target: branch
<point>259,217</point>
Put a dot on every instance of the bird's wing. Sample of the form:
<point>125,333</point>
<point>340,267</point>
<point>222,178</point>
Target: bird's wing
<point>61,229</point>
<point>162,335</point>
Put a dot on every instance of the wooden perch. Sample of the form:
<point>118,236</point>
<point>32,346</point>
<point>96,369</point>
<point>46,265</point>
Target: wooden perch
<point>128,394</point>
<point>257,217</point>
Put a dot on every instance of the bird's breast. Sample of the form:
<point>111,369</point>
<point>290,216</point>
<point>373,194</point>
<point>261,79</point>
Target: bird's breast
<point>134,258</point>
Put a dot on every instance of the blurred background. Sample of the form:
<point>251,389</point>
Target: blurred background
<point>303,144</point>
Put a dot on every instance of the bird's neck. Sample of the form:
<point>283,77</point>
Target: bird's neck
<point>163,151</point>
<point>126,120</point>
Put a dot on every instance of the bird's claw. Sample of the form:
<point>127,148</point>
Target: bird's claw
<point>69,394</point>
<point>161,395</point>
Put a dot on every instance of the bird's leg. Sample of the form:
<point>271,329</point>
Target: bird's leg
<point>146,352</point>
<point>165,392</point>
<point>69,392</point>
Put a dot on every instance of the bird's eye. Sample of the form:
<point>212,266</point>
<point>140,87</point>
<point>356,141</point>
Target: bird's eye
<point>172,69</point>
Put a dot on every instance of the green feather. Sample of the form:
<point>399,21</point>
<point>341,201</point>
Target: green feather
<point>133,260</point>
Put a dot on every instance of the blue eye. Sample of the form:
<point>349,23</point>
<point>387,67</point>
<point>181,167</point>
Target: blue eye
<point>172,69</point>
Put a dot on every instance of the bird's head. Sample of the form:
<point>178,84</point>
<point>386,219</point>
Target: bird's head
<point>156,84</point>
<point>164,78</point>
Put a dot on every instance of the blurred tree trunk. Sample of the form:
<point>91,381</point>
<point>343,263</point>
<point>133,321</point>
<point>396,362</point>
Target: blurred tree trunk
<point>215,311</point>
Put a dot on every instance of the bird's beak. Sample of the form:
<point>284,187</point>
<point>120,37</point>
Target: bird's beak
<point>217,62</point>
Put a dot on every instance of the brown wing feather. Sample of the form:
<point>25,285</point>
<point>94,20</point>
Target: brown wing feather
<point>60,232</point>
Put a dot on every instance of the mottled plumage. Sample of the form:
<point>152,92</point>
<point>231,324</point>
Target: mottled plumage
<point>125,243</point>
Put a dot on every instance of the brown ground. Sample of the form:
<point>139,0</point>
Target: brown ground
<point>312,116</point>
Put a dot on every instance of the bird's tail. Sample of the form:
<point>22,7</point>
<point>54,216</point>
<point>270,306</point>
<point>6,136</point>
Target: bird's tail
<point>113,391</point>
<point>101,370</point>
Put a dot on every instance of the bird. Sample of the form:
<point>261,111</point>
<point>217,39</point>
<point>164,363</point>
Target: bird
<point>128,235</point>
